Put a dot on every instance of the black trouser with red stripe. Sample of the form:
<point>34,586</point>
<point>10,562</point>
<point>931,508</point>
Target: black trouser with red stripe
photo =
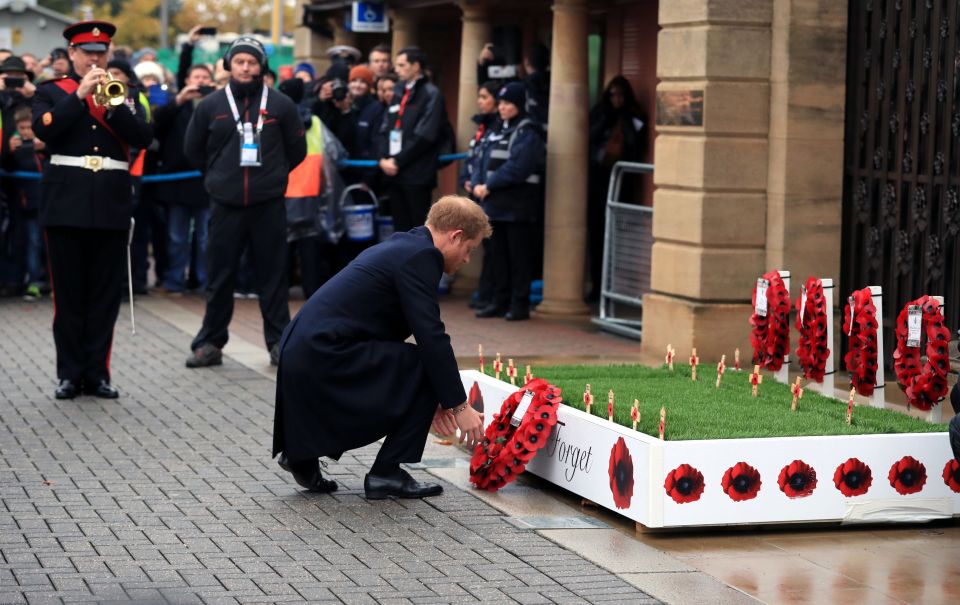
<point>87,271</point>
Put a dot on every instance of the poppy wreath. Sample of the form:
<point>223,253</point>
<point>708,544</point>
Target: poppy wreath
<point>861,359</point>
<point>907,475</point>
<point>741,482</point>
<point>951,475</point>
<point>853,478</point>
<point>620,471</point>
<point>770,335</point>
<point>797,479</point>
<point>506,450</point>
<point>812,348</point>
<point>928,387</point>
<point>684,484</point>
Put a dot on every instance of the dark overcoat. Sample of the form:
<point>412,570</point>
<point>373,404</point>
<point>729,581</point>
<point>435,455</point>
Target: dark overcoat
<point>346,374</point>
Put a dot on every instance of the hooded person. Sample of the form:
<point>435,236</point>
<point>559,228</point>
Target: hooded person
<point>245,160</point>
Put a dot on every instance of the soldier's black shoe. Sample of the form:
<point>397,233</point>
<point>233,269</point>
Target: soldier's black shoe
<point>307,474</point>
<point>205,356</point>
<point>399,484</point>
<point>490,311</point>
<point>67,389</point>
<point>102,389</point>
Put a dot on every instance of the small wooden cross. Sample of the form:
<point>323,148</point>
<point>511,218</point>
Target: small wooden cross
<point>480,351</point>
<point>512,371</point>
<point>736,359</point>
<point>663,422</point>
<point>528,376</point>
<point>497,366</point>
<point>797,394</point>
<point>721,368</point>
<point>853,393</point>
<point>587,399</point>
<point>669,357</point>
<point>756,379</point>
<point>694,360</point>
<point>635,414</point>
<point>610,405</point>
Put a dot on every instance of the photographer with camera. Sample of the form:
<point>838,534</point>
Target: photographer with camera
<point>334,104</point>
<point>185,199</point>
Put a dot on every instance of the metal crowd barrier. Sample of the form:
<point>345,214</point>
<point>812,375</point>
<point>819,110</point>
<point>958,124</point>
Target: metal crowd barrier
<point>193,174</point>
<point>627,247</point>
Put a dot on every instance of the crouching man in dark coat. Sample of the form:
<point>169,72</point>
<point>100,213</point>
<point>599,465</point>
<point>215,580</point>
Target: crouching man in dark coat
<point>348,378</point>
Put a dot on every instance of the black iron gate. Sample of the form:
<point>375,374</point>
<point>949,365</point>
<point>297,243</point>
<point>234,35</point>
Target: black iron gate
<point>901,193</point>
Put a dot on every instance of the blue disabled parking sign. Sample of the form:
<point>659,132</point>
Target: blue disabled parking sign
<point>369,17</point>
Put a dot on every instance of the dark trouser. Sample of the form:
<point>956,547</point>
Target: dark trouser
<point>512,264</point>
<point>264,226</point>
<point>150,231</point>
<point>487,282</point>
<point>955,436</point>
<point>317,263</point>
<point>406,440</point>
<point>409,205</point>
<point>87,272</point>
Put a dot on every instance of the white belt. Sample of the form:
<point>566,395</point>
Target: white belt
<point>95,163</point>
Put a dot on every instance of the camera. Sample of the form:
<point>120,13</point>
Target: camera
<point>207,31</point>
<point>339,90</point>
<point>205,90</point>
<point>11,83</point>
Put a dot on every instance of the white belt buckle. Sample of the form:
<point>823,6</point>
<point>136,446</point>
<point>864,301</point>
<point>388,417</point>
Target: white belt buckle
<point>93,163</point>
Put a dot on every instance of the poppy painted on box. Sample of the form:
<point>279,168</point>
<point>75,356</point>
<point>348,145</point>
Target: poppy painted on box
<point>853,478</point>
<point>741,482</point>
<point>798,479</point>
<point>951,475</point>
<point>684,484</point>
<point>908,475</point>
<point>621,474</point>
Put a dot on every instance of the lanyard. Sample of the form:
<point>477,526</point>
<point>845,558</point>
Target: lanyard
<point>236,114</point>
<point>403,106</point>
<point>479,135</point>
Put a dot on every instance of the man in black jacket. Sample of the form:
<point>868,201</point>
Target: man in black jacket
<point>185,199</point>
<point>413,128</point>
<point>86,207</point>
<point>348,377</point>
<point>246,138</point>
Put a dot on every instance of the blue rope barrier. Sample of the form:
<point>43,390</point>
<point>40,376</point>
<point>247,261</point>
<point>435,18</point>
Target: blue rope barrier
<point>193,174</point>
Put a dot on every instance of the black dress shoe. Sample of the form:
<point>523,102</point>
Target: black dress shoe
<point>205,356</point>
<point>399,484</point>
<point>517,315</point>
<point>102,389</point>
<point>307,475</point>
<point>67,390</point>
<point>490,311</point>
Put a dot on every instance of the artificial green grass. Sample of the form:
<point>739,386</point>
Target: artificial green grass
<point>699,410</point>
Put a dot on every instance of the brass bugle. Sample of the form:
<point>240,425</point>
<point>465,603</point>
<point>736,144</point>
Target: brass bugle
<point>110,93</point>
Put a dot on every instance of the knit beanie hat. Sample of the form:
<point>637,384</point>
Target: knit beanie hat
<point>124,66</point>
<point>307,67</point>
<point>149,68</point>
<point>249,45</point>
<point>514,92</point>
<point>362,72</point>
<point>293,88</point>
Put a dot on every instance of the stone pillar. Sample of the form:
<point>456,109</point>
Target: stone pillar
<point>307,44</point>
<point>567,148</point>
<point>404,30</point>
<point>805,174</point>
<point>711,172</point>
<point>476,31</point>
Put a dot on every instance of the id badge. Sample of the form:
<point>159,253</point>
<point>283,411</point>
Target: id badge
<point>249,147</point>
<point>396,141</point>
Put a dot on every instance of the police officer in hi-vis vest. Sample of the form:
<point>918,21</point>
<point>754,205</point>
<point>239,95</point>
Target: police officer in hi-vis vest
<point>89,127</point>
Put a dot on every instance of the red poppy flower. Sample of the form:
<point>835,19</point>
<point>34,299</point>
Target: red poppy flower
<point>907,475</point>
<point>475,398</point>
<point>741,482</point>
<point>853,478</point>
<point>621,474</point>
<point>797,479</point>
<point>951,475</point>
<point>684,484</point>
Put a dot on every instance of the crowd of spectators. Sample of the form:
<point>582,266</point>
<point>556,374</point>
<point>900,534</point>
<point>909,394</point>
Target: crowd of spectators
<point>381,108</point>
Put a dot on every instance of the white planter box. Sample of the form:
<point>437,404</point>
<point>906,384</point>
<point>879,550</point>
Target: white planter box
<point>578,458</point>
